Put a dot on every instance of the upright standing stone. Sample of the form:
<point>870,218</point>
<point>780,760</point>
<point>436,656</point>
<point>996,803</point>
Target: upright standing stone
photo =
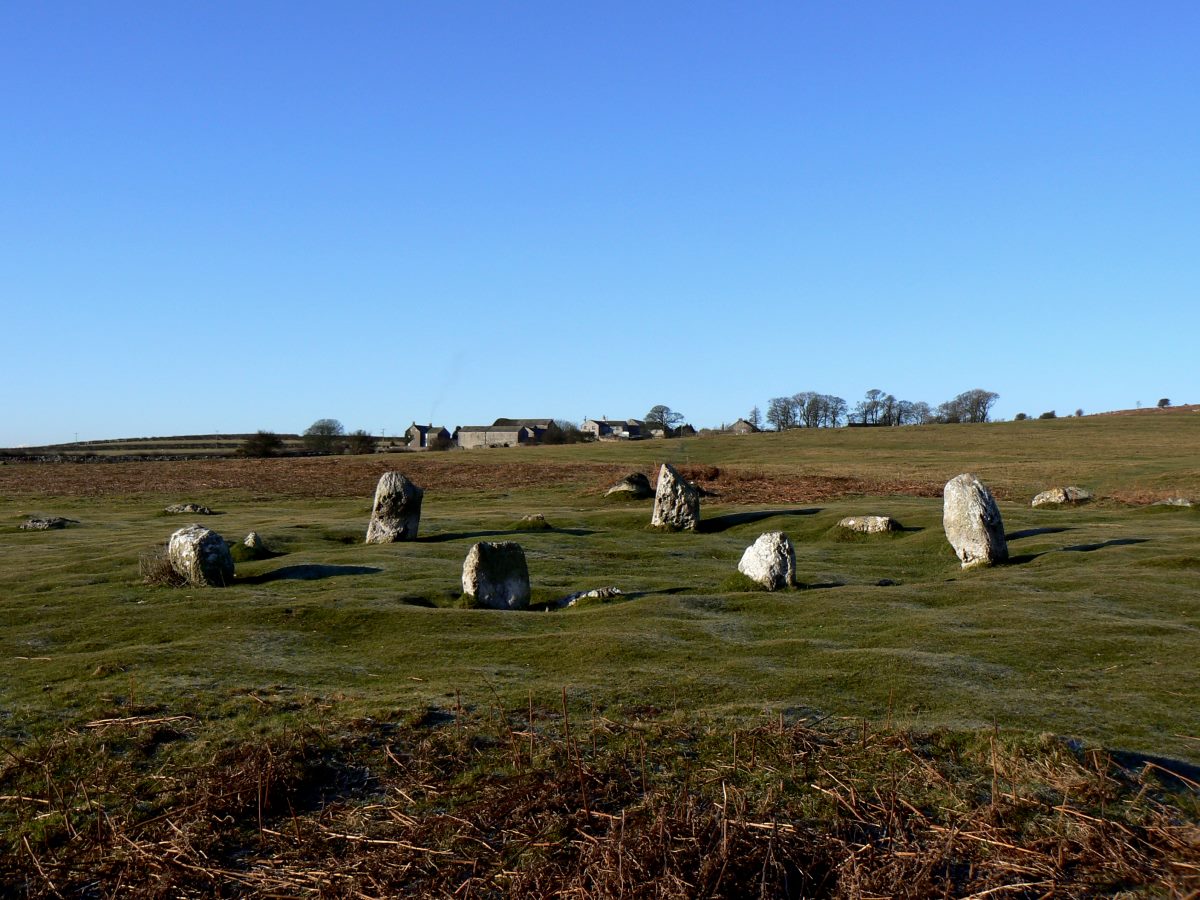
<point>972,522</point>
<point>771,561</point>
<point>676,502</point>
<point>200,557</point>
<point>495,574</point>
<point>396,513</point>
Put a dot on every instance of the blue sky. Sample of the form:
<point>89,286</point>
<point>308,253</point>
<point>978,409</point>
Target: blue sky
<point>232,216</point>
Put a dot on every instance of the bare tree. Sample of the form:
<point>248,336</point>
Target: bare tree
<point>781,413</point>
<point>662,416</point>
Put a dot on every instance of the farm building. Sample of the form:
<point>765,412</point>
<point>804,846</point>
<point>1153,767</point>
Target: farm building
<point>420,436</point>
<point>468,437</point>
<point>741,426</point>
<point>537,427</point>
<point>614,429</point>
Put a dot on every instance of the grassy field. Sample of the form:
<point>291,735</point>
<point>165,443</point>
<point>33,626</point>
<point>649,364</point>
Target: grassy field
<point>1090,633</point>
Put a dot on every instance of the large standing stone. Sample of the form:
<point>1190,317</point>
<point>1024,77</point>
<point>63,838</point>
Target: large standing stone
<point>972,522</point>
<point>200,557</point>
<point>1061,496</point>
<point>634,487</point>
<point>676,502</point>
<point>396,513</point>
<point>771,561</point>
<point>495,574</point>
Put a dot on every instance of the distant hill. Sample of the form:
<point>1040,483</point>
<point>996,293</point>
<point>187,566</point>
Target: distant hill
<point>182,446</point>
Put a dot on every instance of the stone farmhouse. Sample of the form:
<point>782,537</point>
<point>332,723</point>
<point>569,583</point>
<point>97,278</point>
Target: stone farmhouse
<point>420,436</point>
<point>614,429</point>
<point>741,426</point>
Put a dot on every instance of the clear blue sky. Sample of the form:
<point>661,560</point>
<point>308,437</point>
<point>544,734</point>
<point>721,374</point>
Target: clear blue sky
<point>232,216</point>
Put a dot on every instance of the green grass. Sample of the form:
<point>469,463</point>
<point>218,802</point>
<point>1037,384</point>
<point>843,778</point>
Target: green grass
<point>1092,631</point>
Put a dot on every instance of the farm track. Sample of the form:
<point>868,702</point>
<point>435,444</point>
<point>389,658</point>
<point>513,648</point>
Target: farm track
<point>330,477</point>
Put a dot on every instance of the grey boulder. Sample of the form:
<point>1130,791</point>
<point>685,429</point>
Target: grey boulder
<point>634,487</point>
<point>972,522</point>
<point>200,557</point>
<point>396,512</point>
<point>771,561</point>
<point>496,576</point>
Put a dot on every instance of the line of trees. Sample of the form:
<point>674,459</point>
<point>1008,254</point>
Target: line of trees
<point>808,409</point>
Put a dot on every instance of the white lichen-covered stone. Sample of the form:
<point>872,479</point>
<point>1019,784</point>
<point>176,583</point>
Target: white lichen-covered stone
<point>676,502</point>
<point>200,557</point>
<point>1062,496</point>
<point>1174,501</point>
<point>635,486</point>
<point>869,524</point>
<point>604,593</point>
<point>496,575</point>
<point>771,561</point>
<point>192,509</point>
<point>396,512</point>
<point>972,522</point>
<point>255,542</point>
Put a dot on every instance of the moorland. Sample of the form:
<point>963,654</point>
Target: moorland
<point>320,725</point>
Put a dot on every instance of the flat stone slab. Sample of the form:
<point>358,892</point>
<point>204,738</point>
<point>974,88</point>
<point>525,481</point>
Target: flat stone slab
<point>604,593</point>
<point>869,524</point>
<point>194,509</point>
<point>47,523</point>
<point>1062,496</point>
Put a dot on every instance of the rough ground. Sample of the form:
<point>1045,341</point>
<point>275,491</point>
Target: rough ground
<point>357,476</point>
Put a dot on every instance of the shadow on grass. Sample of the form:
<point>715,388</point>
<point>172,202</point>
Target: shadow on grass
<point>308,572</point>
<point>502,532</point>
<point>1175,774</point>
<point>718,524</point>
<point>1077,548</point>
<point>1034,532</point>
<point>1116,542</point>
